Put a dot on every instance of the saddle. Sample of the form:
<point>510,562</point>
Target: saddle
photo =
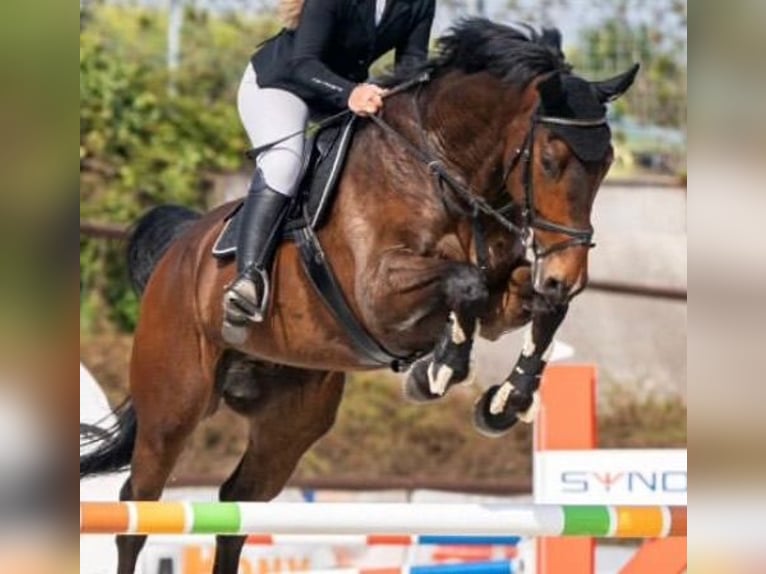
<point>324,156</point>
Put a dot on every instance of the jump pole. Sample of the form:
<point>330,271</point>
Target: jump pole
<point>399,518</point>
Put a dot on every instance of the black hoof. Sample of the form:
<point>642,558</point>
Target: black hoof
<point>416,387</point>
<point>489,424</point>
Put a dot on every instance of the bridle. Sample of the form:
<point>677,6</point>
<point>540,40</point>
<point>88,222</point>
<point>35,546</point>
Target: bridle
<point>477,206</point>
<point>531,220</point>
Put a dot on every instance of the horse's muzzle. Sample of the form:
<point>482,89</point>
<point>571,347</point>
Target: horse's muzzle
<point>554,291</point>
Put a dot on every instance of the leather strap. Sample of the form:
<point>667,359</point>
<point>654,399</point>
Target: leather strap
<point>480,245</point>
<point>318,270</point>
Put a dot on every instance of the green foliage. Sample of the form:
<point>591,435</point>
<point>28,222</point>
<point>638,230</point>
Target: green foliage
<point>659,94</point>
<point>394,439</point>
<point>619,33</point>
<point>140,144</point>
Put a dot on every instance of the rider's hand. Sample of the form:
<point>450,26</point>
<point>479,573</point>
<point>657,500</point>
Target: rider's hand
<point>366,99</point>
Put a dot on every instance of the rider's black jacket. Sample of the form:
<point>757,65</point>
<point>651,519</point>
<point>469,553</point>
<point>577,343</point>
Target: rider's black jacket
<point>335,43</point>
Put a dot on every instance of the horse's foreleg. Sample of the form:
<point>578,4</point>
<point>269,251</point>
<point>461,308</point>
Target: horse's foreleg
<point>295,409</point>
<point>511,308</point>
<point>465,294</point>
<point>516,398</point>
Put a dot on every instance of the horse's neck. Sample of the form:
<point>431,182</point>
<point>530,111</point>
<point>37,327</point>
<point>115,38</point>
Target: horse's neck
<point>466,120</point>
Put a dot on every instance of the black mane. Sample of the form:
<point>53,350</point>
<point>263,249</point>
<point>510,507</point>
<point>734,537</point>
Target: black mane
<point>514,55</point>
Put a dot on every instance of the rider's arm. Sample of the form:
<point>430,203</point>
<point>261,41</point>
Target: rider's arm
<point>311,38</point>
<point>413,50</point>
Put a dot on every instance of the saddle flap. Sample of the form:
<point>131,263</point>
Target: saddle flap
<point>324,158</point>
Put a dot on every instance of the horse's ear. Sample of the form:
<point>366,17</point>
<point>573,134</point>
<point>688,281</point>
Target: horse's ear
<point>551,91</point>
<point>611,89</point>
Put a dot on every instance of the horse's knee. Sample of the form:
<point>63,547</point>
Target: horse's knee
<point>465,290</point>
<point>511,308</point>
<point>281,168</point>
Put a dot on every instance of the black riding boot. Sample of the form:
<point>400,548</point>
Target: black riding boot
<point>263,213</point>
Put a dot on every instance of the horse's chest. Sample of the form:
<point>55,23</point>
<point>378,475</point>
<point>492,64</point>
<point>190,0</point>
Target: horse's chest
<point>450,247</point>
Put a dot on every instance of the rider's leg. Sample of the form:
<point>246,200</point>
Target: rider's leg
<point>268,115</point>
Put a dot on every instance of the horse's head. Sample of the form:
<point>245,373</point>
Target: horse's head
<point>564,154</point>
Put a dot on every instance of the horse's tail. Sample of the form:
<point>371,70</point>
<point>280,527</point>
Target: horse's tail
<point>113,446</point>
<point>151,237</point>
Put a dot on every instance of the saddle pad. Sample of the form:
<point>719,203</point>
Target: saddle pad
<point>326,152</point>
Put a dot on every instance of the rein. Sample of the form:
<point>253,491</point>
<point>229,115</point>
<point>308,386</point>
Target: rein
<point>329,120</point>
<point>531,220</point>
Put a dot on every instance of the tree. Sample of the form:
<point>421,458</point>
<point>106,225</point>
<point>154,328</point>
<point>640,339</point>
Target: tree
<point>138,146</point>
<point>652,32</point>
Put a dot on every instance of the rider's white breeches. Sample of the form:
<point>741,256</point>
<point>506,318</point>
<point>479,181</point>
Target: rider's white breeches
<point>269,114</point>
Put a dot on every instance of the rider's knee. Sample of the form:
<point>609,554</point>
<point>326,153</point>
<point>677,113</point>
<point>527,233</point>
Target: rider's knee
<point>281,169</point>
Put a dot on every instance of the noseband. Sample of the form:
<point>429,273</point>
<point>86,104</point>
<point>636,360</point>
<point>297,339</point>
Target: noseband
<point>530,219</point>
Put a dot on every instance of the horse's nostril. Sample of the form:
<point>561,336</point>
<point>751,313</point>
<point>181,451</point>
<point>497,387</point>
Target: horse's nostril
<point>554,288</point>
<point>551,284</point>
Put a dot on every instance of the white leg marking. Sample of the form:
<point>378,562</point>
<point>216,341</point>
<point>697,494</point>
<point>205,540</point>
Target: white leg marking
<point>529,346</point>
<point>498,402</point>
<point>458,336</point>
<point>530,414</point>
<point>437,383</point>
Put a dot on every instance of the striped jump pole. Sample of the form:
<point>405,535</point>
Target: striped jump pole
<point>398,518</point>
<point>378,540</point>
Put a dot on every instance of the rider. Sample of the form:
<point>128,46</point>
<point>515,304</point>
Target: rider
<point>319,61</point>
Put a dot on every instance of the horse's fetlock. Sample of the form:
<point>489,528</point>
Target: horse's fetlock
<point>524,382</point>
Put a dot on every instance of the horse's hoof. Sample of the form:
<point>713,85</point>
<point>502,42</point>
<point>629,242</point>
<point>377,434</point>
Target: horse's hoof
<point>488,423</point>
<point>417,388</point>
<point>428,381</point>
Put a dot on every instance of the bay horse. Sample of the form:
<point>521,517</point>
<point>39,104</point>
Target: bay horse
<point>463,210</point>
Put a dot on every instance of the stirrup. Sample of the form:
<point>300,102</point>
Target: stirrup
<point>238,307</point>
